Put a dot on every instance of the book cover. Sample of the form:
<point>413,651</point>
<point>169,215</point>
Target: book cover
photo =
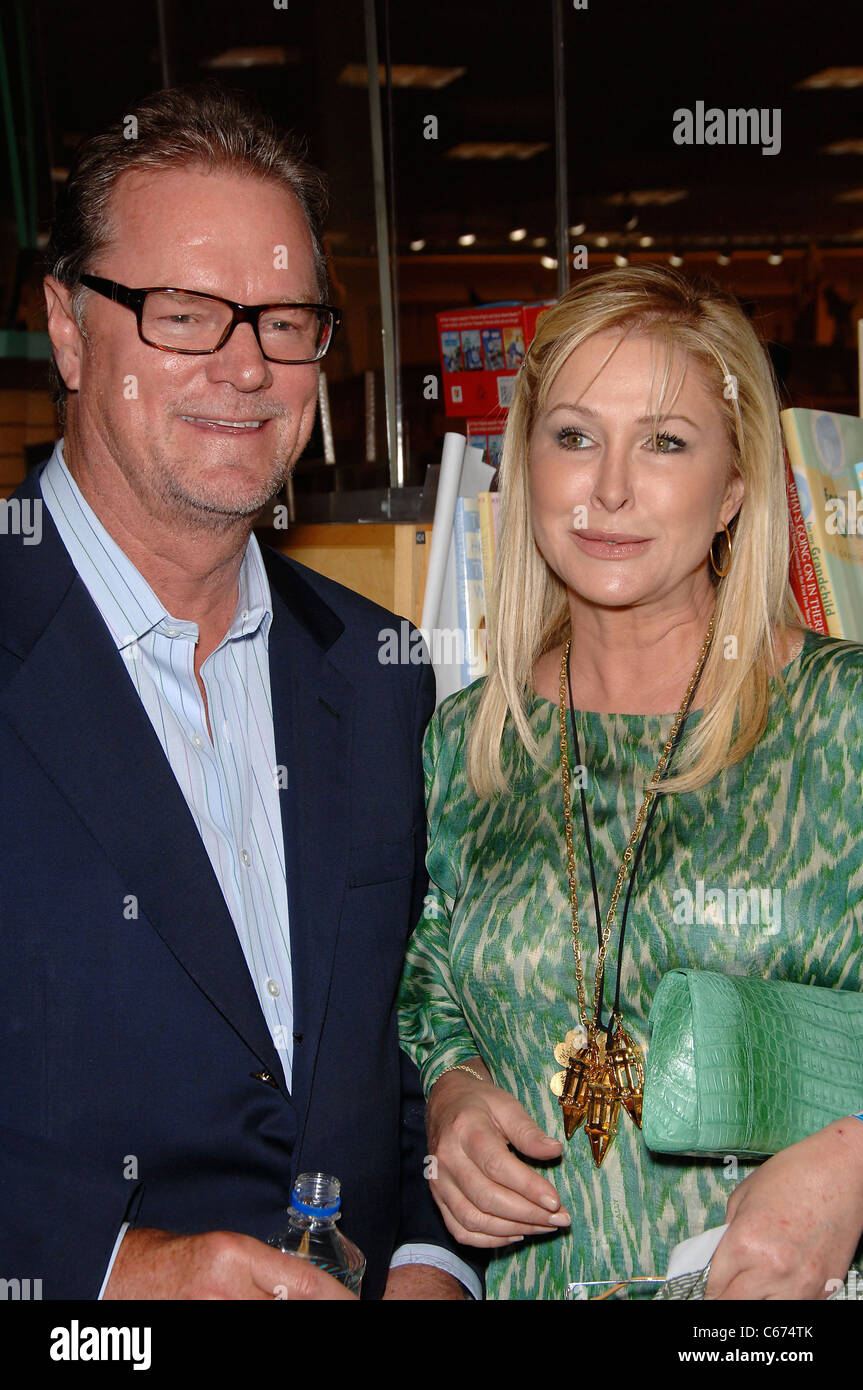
<point>824,450</point>
<point>804,583</point>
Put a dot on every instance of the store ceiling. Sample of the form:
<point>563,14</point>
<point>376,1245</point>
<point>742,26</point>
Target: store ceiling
<point>629,67</point>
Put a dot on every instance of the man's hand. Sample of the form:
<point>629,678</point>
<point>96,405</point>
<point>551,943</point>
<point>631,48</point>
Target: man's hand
<point>795,1222</point>
<point>218,1265</point>
<point>423,1282</point>
<point>486,1195</point>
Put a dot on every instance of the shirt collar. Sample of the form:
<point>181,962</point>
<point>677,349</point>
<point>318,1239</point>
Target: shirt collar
<point>128,605</point>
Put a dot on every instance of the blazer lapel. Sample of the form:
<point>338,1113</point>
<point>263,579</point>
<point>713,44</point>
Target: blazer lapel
<point>72,704</point>
<point>313,717</point>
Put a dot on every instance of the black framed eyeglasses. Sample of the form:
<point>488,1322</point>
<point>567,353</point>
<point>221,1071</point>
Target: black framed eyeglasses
<point>187,321</point>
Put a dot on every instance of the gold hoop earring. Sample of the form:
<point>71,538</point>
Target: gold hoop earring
<point>720,574</point>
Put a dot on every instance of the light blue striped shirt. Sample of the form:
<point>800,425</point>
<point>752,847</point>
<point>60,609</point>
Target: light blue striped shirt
<point>232,784</point>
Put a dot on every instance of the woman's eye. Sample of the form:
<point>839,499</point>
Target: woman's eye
<point>667,443</point>
<point>571,438</point>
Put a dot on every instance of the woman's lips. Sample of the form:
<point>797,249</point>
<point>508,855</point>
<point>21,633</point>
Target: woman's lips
<point>610,545</point>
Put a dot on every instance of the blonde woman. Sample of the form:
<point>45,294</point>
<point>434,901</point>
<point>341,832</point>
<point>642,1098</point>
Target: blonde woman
<point>644,521</point>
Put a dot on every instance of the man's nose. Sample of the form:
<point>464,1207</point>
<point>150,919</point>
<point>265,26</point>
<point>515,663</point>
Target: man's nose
<point>240,361</point>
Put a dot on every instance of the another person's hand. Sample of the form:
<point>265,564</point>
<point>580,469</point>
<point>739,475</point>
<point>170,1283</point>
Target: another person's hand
<point>219,1265</point>
<point>486,1195</point>
<point>795,1222</point>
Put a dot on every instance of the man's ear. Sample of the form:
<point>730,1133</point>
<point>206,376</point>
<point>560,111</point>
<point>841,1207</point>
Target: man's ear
<point>64,332</point>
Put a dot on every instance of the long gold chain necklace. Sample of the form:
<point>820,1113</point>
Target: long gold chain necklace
<point>604,1067</point>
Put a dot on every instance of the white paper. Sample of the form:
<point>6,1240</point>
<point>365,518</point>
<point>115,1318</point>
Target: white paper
<point>694,1254</point>
<point>462,474</point>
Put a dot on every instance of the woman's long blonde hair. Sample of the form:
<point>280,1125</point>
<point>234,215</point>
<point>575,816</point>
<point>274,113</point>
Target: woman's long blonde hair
<point>528,611</point>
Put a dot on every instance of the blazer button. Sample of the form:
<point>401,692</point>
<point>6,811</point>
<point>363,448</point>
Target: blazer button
<point>265,1077</point>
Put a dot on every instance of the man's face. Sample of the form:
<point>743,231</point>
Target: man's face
<point>204,439</point>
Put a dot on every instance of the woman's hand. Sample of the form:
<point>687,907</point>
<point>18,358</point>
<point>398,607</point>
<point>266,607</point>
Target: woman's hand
<point>486,1195</point>
<point>795,1222</point>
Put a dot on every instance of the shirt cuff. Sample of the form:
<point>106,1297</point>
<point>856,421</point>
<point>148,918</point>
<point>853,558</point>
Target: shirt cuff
<point>117,1243</point>
<point>440,1258</point>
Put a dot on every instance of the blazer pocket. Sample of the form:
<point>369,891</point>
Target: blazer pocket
<point>380,861</point>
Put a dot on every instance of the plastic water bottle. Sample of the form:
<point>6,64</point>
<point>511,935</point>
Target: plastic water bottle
<point>311,1231</point>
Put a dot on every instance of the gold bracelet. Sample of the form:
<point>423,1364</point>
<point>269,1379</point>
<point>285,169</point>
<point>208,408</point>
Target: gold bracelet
<point>460,1067</point>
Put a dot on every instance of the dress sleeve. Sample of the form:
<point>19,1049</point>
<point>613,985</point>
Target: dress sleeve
<point>432,1027</point>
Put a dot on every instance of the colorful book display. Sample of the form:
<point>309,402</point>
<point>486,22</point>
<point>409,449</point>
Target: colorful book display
<point>825,452</point>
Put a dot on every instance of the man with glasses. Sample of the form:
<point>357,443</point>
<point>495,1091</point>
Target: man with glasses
<point>215,827</point>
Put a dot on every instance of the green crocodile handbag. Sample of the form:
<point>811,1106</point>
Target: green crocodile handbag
<point>745,1066</point>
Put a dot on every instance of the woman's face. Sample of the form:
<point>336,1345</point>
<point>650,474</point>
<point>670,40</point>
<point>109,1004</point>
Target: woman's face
<point>621,519</point>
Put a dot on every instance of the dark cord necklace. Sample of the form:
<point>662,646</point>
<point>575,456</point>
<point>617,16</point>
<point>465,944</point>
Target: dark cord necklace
<point>607,1070</point>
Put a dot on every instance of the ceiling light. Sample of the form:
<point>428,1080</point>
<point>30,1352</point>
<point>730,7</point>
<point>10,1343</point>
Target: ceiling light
<point>418,244</point>
<point>723,258</point>
<point>775,258</point>
<point>844,147</point>
<point>602,241</point>
<point>467,239</point>
<point>645,241</point>
<point>518,234</point>
<point>401,75</point>
<point>648,197</point>
<point>834,77</point>
<point>620,259</point>
<point>674,259</point>
<point>539,241</point>
<point>497,149</point>
<point>548,262</point>
<point>578,229</point>
<point>261,57</point>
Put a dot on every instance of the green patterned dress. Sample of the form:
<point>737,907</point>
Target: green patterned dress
<point>490,966</point>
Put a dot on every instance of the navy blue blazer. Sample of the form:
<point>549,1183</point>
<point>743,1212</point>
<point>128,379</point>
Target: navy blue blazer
<point>132,1048</point>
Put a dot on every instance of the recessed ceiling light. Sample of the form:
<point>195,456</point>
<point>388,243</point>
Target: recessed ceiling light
<point>723,258</point>
<point>620,259</point>
<point>602,241</point>
<point>775,258</point>
<point>467,239</point>
<point>578,229</point>
<point>645,241</point>
<point>548,262</point>
<point>539,241</point>
<point>674,259</point>
<point>402,75</point>
<point>648,197</point>
<point>834,77</point>
<point>418,244</point>
<point>497,149</point>
<point>844,147</point>
<point>263,56</point>
<point>518,234</point>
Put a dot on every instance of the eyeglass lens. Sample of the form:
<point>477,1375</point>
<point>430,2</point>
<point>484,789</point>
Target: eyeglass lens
<point>196,323</point>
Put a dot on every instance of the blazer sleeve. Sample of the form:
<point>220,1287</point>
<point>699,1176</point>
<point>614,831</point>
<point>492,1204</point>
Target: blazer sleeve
<point>421,1222</point>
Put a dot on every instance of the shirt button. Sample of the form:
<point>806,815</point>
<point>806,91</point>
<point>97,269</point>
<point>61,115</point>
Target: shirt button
<point>198,741</point>
<point>170,632</point>
<point>246,857</point>
<point>273,988</point>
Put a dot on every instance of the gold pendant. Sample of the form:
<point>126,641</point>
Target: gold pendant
<point>596,1082</point>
